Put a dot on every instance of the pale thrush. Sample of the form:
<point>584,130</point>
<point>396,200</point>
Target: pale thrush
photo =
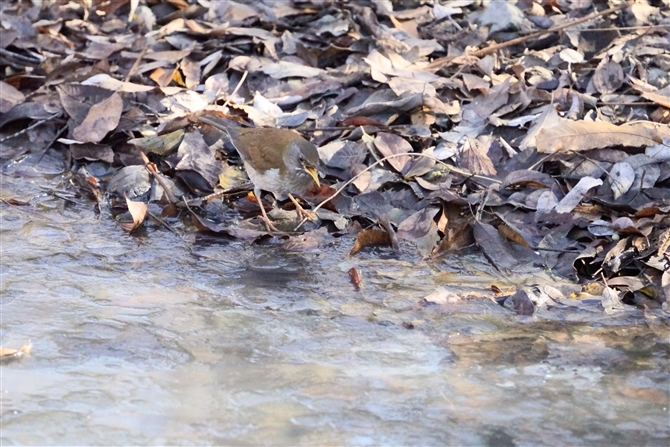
<point>279,161</point>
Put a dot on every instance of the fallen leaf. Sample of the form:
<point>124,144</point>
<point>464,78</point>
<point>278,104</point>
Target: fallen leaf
<point>569,135</point>
<point>138,211</point>
<point>576,194</point>
<point>102,118</point>
<point>622,176</point>
<point>370,238</point>
<point>389,144</point>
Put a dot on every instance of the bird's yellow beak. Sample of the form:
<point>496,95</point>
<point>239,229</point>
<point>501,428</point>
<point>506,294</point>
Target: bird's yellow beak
<point>314,173</point>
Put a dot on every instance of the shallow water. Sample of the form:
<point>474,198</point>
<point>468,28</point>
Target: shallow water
<point>194,339</point>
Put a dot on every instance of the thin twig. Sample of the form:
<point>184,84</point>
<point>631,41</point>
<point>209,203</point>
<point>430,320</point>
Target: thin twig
<point>443,61</point>
<point>53,140</point>
<point>133,69</point>
<point>410,154</point>
<point>165,186</point>
<point>32,126</point>
<point>239,84</point>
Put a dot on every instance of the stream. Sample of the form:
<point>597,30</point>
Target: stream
<point>176,338</point>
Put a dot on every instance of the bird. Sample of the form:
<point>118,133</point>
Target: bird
<point>279,161</point>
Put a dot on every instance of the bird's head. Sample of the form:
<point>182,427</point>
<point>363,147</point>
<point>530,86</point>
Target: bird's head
<point>302,158</point>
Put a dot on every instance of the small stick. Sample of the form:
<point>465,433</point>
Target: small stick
<point>239,84</point>
<point>133,69</point>
<point>166,188</point>
<point>438,64</point>
<point>53,140</point>
<point>32,126</point>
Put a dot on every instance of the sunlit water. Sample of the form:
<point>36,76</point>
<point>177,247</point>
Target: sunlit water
<point>195,339</point>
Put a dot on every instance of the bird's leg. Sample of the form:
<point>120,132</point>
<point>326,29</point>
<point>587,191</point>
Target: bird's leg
<point>302,213</point>
<point>266,220</point>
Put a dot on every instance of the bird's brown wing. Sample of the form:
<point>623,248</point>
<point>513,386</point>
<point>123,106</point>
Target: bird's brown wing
<point>264,147</point>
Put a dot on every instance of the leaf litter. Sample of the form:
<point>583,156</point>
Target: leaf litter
<point>535,131</point>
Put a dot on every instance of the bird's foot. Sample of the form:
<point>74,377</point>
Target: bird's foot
<point>269,226</point>
<point>302,213</point>
<point>266,220</point>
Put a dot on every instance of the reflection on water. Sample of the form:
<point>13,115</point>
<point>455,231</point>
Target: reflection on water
<point>162,340</point>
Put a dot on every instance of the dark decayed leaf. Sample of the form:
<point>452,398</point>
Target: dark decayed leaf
<point>417,225</point>
<point>92,152</point>
<point>131,181</point>
<point>527,177</point>
<point>502,253</point>
<point>195,155</point>
<point>159,144</point>
<point>608,76</point>
<point>350,156</point>
<point>78,99</point>
<point>10,97</point>
<point>520,303</point>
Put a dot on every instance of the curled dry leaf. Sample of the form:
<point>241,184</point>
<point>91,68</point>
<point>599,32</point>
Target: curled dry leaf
<point>369,238</point>
<point>512,235</point>
<point>138,210</point>
<point>355,277</point>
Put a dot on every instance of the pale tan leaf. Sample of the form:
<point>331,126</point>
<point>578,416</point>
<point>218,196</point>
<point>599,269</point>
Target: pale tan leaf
<point>576,194</point>
<point>139,211</point>
<point>622,175</point>
<point>10,352</point>
<point>569,135</point>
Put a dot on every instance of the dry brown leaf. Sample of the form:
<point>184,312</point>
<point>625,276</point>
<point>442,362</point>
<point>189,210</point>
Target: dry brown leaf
<point>389,144</point>
<point>355,277</point>
<point>474,156</point>
<point>372,237</point>
<point>101,119</point>
<point>570,135</point>
<point>512,235</point>
<point>139,211</point>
